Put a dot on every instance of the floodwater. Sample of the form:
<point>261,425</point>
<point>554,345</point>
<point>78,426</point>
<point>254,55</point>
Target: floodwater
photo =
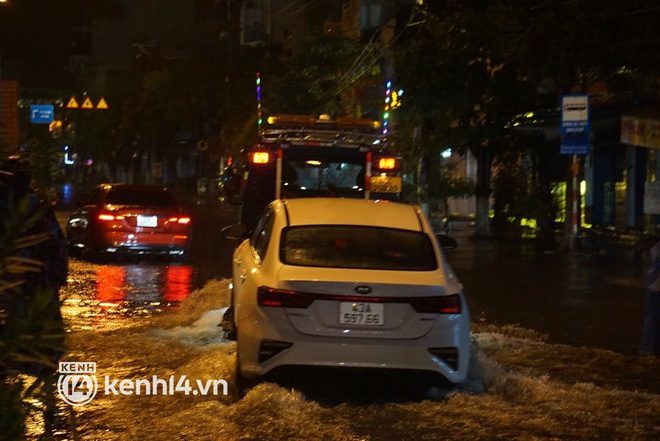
<point>594,300</point>
<point>553,358</point>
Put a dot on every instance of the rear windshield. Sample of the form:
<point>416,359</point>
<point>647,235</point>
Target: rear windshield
<point>141,197</point>
<point>319,177</point>
<point>357,247</point>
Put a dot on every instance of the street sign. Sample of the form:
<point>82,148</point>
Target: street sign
<point>575,114</point>
<point>575,143</point>
<point>41,113</point>
<point>72,104</point>
<point>87,104</point>
<point>102,104</point>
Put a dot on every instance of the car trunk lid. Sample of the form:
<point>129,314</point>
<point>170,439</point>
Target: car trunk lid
<point>392,295</point>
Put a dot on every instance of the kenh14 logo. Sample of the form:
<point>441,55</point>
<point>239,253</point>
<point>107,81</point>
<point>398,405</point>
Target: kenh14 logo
<point>77,383</point>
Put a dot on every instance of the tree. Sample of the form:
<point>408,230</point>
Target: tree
<point>473,66</point>
<point>324,78</point>
<point>464,83</point>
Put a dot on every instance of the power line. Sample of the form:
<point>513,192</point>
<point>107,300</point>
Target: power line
<point>285,8</point>
<point>355,66</point>
<point>304,7</point>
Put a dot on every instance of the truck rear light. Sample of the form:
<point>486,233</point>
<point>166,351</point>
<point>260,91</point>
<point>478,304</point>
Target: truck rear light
<point>387,163</point>
<point>270,348</point>
<point>283,298</point>
<point>450,304</point>
<point>448,356</point>
<point>260,157</point>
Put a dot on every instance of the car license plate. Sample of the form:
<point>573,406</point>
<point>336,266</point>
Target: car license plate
<point>357,313</point>
<point>386,184</point>
<point>147,221</point>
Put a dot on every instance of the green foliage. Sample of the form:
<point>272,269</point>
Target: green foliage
<point>463,78</point>
<point>511,188</point>
<point>93,133</point>
<point>13,413</point>
<point>443,184</point>
<point>31,333</point>
<point>192,96</point>
<point>44,159</point>
<point>323,77</point>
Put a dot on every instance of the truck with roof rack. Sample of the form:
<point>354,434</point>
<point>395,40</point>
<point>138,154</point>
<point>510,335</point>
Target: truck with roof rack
<point>301,156</point>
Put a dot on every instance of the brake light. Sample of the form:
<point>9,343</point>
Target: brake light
<point>260,157</point>
<point>181,220</point>
<point>283,298</point>
<point>106,217</point>
<point>387,163</point>
<point>438,305</point>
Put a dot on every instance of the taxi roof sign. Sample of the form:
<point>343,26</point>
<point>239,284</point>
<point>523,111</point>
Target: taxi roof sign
<point>72,104</point>
<point>87,104</point>
<point>102,104</point>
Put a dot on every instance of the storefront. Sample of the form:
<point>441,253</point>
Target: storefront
<point>641,137</point>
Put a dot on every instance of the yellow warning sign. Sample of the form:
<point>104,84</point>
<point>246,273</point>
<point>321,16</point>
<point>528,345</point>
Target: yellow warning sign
<point>102,104</point>
<point>72,104</point>
<point>87,104</point>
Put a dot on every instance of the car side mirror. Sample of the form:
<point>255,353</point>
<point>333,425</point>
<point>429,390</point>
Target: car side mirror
<point>235,232</point>
<point>446,242</point>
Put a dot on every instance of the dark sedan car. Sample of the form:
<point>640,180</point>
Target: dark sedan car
<point>138,219</point>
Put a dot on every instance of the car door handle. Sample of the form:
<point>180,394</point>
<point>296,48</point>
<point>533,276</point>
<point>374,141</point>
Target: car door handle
<point>238,261</point>
<point>243,276</point>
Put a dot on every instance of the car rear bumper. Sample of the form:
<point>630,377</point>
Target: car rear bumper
<point>350,352</point>
<point>156,243</point>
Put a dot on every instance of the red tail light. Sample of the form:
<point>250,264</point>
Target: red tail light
<point>283,298</point>
<point>181,220</point>
<point>106,217</point>
<point>438,305</point>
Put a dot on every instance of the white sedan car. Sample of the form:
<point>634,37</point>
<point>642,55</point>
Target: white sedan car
<point>346,283</point>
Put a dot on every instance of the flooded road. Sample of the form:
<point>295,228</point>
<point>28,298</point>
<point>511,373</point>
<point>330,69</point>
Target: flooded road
<point>581,299</point>
<point>554,346</point>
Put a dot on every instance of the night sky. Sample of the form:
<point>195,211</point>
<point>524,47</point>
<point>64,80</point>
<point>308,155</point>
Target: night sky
<point>35,40</point>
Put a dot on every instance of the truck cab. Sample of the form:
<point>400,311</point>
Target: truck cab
<point>302,156</point>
